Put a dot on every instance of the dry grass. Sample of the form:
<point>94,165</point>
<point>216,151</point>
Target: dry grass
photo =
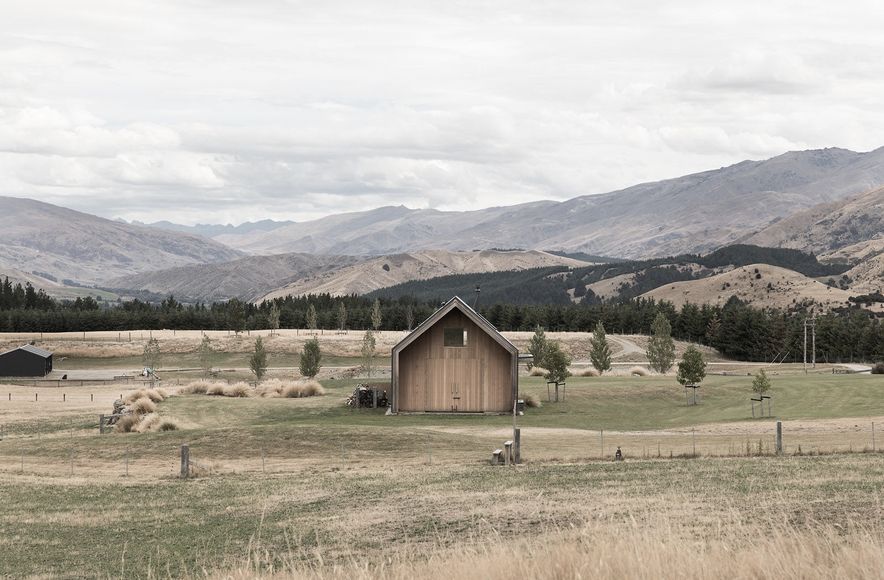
<point>127,424</point>
<point>304,389</point>
<point>143,406</point>
<point>537,372</point>
<point>639,372</point>
<point>605,551</point>
<point>237,390</point>
<point>590,372</point>
<point>532,401</point>
<point>155,395</point>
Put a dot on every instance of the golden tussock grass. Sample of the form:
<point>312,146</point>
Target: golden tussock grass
<point>590,372</point>
<point>532,401</point>
<point>655,550</point>
<point>218,389</point>
<point>127,423</point>
<point>143,406</point>
<point>537,372</point>
<point>155,395</point>
<point>304,389</point>
<point>639,372</point>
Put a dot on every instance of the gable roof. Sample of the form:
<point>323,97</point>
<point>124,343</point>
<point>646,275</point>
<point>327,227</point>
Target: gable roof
<point>31,349</point>
<point>452,304</point>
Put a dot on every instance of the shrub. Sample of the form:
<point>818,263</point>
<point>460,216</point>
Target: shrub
<point>878,369</point>
<point>143,406</point>
<point>589,373</point>
<point>237,390</point>
<point>537,372</point>
<point>127,423</point>
<point>195,388</point>
<point>639,372</point>
<point>532,401</point>
<point>148,423</point>
<point>307,389</point>
<point>135,395</point>
<point>215,389</point>
<point>167,425</point>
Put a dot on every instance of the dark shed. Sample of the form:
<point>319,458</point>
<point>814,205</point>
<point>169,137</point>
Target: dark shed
<point>25,361</point>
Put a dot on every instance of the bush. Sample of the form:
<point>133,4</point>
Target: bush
<point>532,401</point>
<point>878,369</point>
<point>143,406</point>
<point>298,390</point>
<point>215,389</point>
<point>127,423</point>
<point>237,390</point>
<point>537,372</point>
<point>167,425</point>
<point>589,373</point>
<point>195,388</point>
<point>639,372</point>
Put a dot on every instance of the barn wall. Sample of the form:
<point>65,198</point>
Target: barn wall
<point>20,363</point>
<point>474,378</point>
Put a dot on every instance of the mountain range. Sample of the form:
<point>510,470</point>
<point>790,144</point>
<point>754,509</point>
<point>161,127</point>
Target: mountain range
<point>828,201</point>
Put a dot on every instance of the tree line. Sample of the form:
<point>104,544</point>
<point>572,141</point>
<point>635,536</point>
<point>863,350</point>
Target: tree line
<point>736,329</point>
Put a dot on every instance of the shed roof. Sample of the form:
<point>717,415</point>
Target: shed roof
<point>457,303</point>
<point>31,349</point>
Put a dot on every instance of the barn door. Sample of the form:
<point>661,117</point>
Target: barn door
<point>466,385</point>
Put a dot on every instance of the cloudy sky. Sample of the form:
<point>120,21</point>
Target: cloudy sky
<point>227,111</point>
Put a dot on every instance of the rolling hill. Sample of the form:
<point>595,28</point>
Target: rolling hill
<point>66,244</point>
<point>690,214</point>
<point>757,284</point>
<point>828,227</point>
<point>374,274</point>
<point>247,278</point>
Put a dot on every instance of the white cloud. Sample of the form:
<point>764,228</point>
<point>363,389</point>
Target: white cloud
<point>210,111</point>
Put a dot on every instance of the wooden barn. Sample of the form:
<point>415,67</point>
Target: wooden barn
<point>455,361</point>
<point>25,361</point>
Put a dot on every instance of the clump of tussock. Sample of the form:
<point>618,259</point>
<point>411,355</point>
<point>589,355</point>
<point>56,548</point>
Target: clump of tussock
<point>304,389</point>
<point>590,372</point>
<point>155,395</point>
<point>195,388</point>
<point>147,423</point>
<point>127,423</point>
<point>532,401</point>
<point>238,390</point>
<point>216,389</point>
<point>143,406</point>
<point>537,372</point>
<point>878,369</point>
<point>639,372</point>
<point>167,425</point>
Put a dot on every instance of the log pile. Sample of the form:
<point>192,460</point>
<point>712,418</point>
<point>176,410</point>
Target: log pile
<point>364,396</point>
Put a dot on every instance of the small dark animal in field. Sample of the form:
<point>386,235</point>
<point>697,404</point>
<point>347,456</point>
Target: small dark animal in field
<point>618,456</point>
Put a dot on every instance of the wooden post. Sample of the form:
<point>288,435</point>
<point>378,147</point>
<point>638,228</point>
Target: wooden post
<point>602,442</point>
<point>126,456</point>
<point>693,442</point>
<point>517,446</point>
<point>507,451</point>
<point>753,408</point>
<point>185,461</point>
<point>263,470</point>
<point>873,435</point>
<point>779,437</point>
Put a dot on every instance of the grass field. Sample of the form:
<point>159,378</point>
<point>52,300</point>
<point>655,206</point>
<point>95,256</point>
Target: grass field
<point>310,487</point>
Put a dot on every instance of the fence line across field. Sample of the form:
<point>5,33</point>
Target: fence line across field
<point>69,455</point>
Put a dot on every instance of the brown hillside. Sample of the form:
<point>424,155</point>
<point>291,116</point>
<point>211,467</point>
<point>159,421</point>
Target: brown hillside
<point>758,284</point>
<point>385,271</point>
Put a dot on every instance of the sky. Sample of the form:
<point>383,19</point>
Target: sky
<point>223,111</point>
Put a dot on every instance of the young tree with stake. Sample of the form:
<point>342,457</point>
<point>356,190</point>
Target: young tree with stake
<point>368,349</point>
<point>538,346</point>
<point>206,354</point>
<point>691,369</point>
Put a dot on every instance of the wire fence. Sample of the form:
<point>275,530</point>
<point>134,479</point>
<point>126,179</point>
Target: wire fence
<point>76,452</point>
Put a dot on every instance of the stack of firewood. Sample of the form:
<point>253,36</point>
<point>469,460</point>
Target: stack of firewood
<point>364,396</point>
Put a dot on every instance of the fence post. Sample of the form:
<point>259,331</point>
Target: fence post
<point>779,437</point>
<point>873,435</point>
<point>517,445</point>
<point>185,461</point>
<point>693,442</point>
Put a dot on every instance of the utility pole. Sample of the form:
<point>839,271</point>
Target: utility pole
<point>812,324</point>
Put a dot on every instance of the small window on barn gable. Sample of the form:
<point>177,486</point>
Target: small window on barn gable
<point>455,336</point>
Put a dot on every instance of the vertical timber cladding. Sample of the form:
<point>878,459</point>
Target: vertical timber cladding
<point>466,371</point>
